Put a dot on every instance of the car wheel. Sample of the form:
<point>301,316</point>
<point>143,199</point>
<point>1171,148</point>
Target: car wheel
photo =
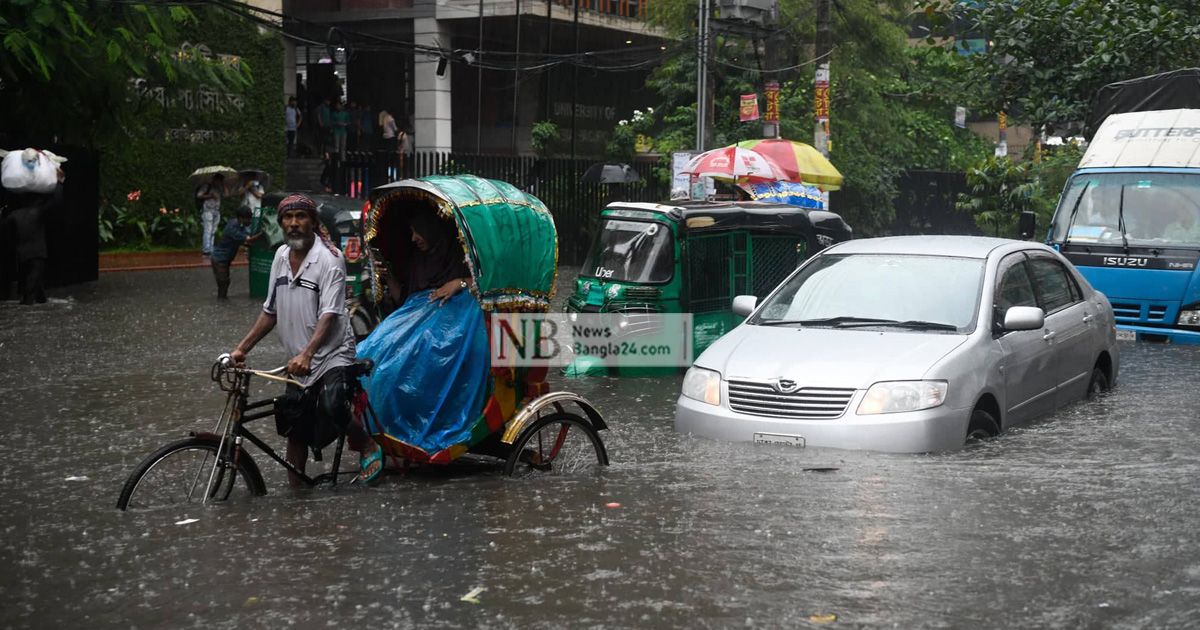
<point>1098,384</point>
<point>982,427</point>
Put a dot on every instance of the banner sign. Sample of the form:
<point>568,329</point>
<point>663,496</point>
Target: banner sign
<point>772,93</point>
<point>821,139</point>
<point>749,107</point>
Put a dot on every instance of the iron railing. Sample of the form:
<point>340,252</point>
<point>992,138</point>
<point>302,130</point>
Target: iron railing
<point>575,204</point>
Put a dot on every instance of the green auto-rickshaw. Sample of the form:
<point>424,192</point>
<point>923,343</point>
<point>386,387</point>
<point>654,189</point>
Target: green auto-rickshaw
<point>694,257</point>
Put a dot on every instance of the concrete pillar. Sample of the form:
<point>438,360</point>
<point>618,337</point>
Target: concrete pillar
<point>289,68</point>
<point>432,124</point>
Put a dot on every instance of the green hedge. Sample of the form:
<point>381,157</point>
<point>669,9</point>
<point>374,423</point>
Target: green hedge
<point>146,159</point>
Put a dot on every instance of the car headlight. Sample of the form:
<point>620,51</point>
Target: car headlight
<point>613,291</point>
<point>1189,315</point>
<point>898,396</point>
<point>703,385</point>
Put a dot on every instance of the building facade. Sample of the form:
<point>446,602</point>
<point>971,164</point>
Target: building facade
<point>474,76</point>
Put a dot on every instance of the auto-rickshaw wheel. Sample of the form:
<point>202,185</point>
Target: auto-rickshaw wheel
<point>557,444</point>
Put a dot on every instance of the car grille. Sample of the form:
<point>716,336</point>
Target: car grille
<point>808,402</point>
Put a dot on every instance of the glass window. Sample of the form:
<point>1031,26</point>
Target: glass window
<point>632,251</point>
<point>902,288</point>
<point>1015,289</point>
<point>1053,284</point>
<point>1154,210</point>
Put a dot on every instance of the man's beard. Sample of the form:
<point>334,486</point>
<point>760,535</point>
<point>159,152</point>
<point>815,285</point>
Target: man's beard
<point>300,243</point>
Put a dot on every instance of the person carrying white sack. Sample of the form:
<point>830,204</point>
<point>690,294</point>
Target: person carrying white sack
<point>33,180</point>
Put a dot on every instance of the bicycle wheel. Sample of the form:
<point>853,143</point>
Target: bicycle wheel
<point>558,444</point>
<point>178,473</point>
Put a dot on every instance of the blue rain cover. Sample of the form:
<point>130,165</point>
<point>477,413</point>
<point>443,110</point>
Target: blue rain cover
<point>800,195</point>
<point>431,371</point>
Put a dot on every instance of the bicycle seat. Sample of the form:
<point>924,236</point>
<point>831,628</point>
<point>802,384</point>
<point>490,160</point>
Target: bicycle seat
<point>361,367</point>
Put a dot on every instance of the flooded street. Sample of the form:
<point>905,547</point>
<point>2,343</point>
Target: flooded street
<point>1084,520</point>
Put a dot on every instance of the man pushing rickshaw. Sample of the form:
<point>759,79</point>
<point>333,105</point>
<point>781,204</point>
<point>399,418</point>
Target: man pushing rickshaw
<point>451,252</point>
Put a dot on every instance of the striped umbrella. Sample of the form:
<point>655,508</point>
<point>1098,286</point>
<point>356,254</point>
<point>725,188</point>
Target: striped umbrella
<point>734,164</point>
<point>800,162</point>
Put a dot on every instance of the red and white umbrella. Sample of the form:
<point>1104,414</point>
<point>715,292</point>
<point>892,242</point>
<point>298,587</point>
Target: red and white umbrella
<point>735,164</point>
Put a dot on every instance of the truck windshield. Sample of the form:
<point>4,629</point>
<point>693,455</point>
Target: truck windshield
<point>1155,210</point>
<point>631,251</point>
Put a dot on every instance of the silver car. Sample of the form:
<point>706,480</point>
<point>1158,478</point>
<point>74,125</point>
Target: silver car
<point>905,344</point>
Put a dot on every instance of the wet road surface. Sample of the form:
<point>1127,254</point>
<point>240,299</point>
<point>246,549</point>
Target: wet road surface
<point>1085,520</point>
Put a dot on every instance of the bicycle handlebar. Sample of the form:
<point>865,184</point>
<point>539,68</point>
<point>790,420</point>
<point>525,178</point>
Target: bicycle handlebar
<point>225,363</point>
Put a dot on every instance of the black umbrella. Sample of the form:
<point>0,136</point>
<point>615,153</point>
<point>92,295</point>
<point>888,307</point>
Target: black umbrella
<point>251,174</point>
<point>611,174</point>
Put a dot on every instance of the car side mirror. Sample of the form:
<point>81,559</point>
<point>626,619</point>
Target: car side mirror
<point>1027,224</point>
<point>743,305</point>
<point>1024,318</point>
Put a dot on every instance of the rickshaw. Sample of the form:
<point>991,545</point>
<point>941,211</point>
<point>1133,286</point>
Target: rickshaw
<point>694,257</point>
<point>523,426</point>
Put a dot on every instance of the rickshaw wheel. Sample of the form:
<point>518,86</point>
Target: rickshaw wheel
<point>179,472</point>
<point>557,444</point>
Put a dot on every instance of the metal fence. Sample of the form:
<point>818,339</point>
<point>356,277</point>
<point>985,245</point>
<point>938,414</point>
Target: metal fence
<point>575,204</point>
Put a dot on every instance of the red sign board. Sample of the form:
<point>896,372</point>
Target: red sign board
<point>749,107</point>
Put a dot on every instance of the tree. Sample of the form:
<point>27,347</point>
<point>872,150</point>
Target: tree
<point>892,109</point>
<point>1047,58</point>
<point>67,65</point>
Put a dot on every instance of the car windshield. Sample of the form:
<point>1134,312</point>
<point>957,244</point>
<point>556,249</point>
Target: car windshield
<point>915,292</point>
<point>631,251</point>
<point>1155,210</point>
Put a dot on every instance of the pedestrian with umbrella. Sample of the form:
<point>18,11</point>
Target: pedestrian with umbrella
<point>602,173</point>
<point>210,188</point>
<point>254,184</point>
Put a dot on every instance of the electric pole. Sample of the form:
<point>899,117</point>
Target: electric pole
<point>824,49</point>
<point>701,75</point>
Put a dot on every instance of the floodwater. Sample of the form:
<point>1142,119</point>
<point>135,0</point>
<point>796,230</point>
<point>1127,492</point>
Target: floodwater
<point>1085,520</point>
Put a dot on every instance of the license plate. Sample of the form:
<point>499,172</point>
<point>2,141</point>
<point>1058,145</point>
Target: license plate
<point>1126,335</point>
<point>781,439</point>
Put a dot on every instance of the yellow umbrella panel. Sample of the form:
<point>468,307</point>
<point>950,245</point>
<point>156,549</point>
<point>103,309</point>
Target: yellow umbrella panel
<point>799,161</point>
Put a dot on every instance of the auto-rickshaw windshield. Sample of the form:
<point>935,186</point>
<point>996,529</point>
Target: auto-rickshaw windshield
<point>631,251</point>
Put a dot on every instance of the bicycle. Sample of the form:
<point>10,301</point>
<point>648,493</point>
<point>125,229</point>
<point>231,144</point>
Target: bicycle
<point>222,458</point>
<point>542,437</point>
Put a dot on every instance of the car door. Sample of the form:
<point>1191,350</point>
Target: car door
<point>1026,365</point>
<point>1069,323</point>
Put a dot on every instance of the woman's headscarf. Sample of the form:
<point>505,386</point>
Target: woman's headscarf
<point>443,261</point>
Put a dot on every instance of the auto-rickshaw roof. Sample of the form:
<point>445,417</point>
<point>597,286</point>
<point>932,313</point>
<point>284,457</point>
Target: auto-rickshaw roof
<point>507,235</point>
<point>711,216</point>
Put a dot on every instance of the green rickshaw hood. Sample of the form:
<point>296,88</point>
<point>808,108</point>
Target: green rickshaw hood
<point>507,236</point>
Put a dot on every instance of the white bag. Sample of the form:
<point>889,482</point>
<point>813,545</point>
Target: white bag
<point>29,171</point>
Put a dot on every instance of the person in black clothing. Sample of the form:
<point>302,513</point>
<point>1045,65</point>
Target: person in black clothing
<point>26,216</point>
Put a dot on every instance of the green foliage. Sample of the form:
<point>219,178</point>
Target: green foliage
<point>1048,58</point>
<point>162,144</point>
<point>622,140</point>
<point>137,226</point>
<point>1000,190</point>
<point>892,105</point>
<point>66,64</point>
<point>543,137</point>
